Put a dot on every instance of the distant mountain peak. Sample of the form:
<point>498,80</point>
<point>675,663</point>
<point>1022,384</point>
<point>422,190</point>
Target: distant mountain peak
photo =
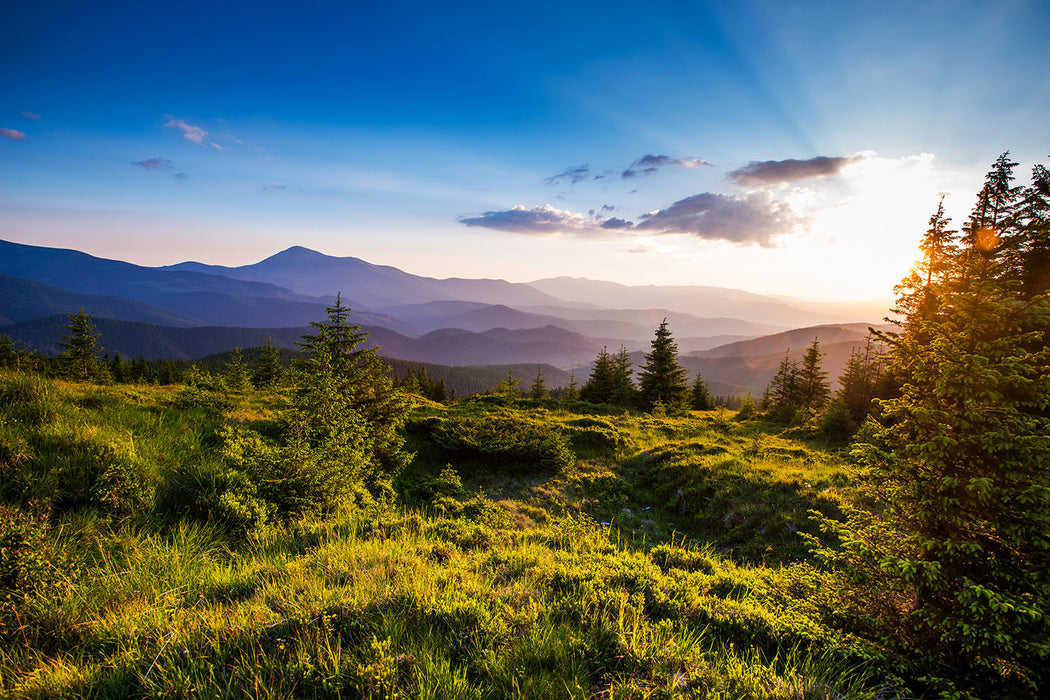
<point>297,252</point>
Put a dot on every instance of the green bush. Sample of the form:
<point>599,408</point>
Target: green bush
<point>27,555</point>
<point>505,443</point>
<point>218,494</point>
<point>604,440</point>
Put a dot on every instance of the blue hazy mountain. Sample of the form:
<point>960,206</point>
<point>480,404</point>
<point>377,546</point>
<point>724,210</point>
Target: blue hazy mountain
<point>308,272</point>
<point>24,300</point>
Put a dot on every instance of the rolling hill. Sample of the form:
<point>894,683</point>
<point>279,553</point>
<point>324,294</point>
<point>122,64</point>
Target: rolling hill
<point>24,300</point>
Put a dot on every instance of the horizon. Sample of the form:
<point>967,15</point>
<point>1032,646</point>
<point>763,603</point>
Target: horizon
<point>784,151</point>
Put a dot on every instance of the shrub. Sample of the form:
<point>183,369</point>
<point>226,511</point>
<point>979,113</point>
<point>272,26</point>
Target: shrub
<point>599,439</point>
<point>505,442</point>
<point>27,556</point>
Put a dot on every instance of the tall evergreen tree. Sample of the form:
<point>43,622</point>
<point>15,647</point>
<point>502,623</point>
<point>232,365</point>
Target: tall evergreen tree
<point>859,383</point>
<point>236,372</point>
<point>1035,255</point>
<point>599,386</point>
<point>348,390</point>
<point>813,388</point>
<point>571,393</point>
<point>700,395</point>
<point>946,547</point>
<point>662,379</point>
<point>268,370</point>
<point>538,390</point>
<point>80,351</point>
<point>781,397</point>
<point>622,392</point>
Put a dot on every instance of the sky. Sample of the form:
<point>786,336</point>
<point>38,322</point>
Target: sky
<point>782,148</point>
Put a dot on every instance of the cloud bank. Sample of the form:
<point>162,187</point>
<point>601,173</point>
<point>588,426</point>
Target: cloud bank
<point>756,219</point>
<point>770,172</point>
<point>543,220</point>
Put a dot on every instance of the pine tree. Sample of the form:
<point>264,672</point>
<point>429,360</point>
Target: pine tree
<point>538,390</point>
<point>781,397</point>
<point>700,396</point>
<point>348,392</point>
<point>859,382</point>
<point>236,372</point>
<point>599,386</point>
<point>268,371</point>
<point>946,547</point>
<point>813,388</point>
<point>622,392</point>
<point>118,369</point>
<point>663,379</point>
<point>571,393</point>
<point>1035,254</point>
<point>508,387</point>
<point>79,357</point>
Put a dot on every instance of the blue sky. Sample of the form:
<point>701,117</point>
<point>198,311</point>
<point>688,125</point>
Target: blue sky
<point>793,148</point>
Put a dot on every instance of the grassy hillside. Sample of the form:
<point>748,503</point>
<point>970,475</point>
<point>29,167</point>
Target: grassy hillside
<point>535,550</point>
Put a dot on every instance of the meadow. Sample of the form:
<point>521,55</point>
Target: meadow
<point>535,549</point>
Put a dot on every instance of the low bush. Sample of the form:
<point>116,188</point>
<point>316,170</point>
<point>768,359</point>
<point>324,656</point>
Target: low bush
<point>28,557</point>
<point>506,443</point>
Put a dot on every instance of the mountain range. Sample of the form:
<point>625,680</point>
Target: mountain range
<point>191,310</point>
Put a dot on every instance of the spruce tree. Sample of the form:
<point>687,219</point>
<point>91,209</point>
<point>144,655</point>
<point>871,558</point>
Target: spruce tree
<point>268,370</point>
<point>571,393</point>
<point>599,386</point>
<point>859,382</point>
<point>622,392</point>
<point>781,397</point>
<point>700,396</point>
<point>946,547</point>
<point>813,388</point>
<point>236,372</point>
<point>79,357</point>
<point>663,379</point>
<point>538,390</point>
<point>344,398</point>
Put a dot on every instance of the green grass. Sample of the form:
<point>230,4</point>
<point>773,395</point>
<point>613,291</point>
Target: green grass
<point>490,580</point>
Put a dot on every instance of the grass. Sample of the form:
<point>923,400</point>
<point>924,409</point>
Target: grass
<point>488,581</point>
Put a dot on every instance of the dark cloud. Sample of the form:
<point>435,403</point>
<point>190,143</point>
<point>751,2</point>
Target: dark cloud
<point>181,176</point>
<point>608,207</point>
<point>542,220</point>
<point>273,186</point>
<point>649,164</point>
<point>572,174</point>
<point>755,218</point>
<point>777,171</point>
<point>153,164</point>
<point>12,134</point>
<point>615,224</point>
